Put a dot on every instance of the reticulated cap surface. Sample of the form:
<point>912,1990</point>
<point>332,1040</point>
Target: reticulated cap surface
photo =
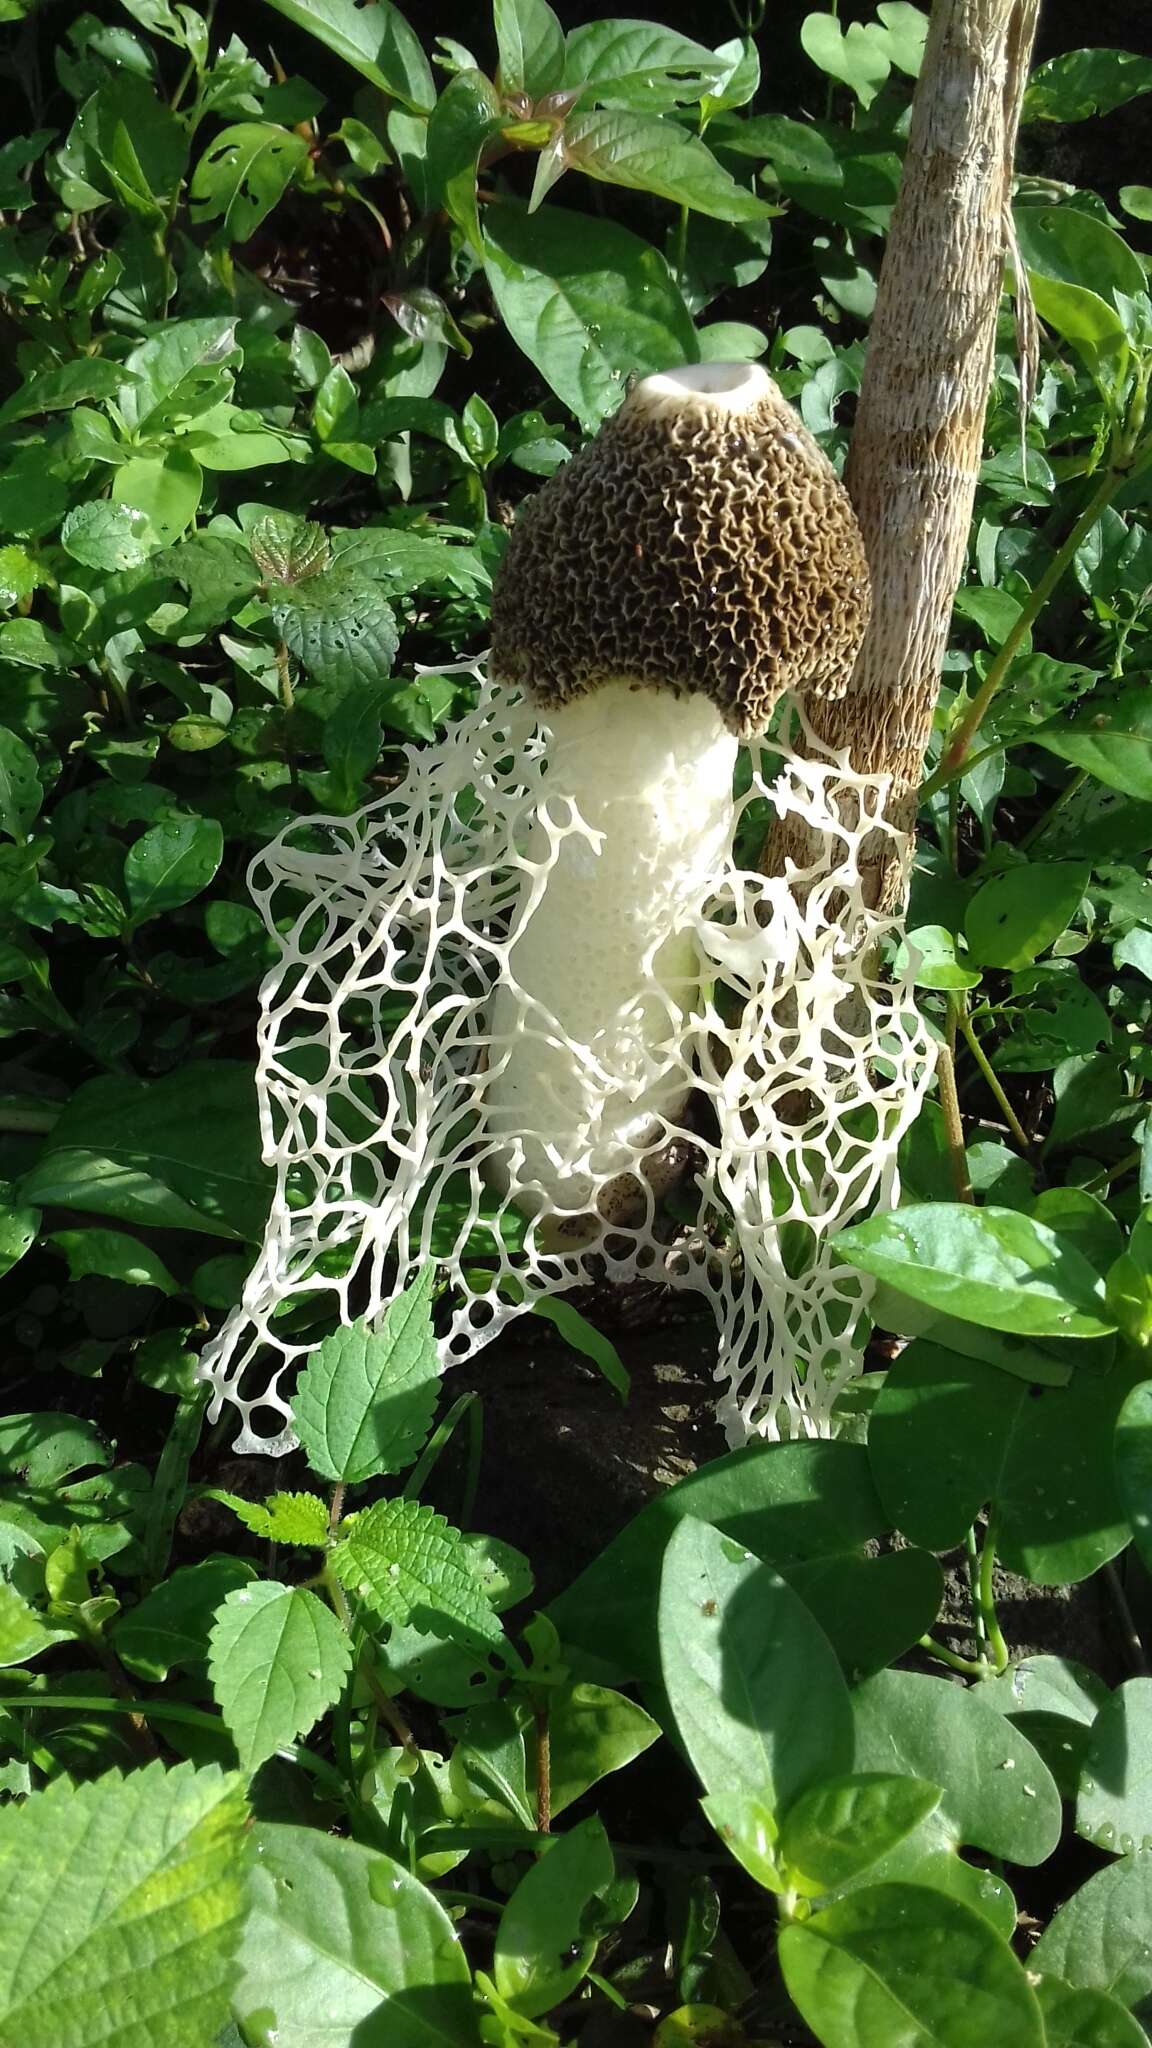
<point>702,541</point>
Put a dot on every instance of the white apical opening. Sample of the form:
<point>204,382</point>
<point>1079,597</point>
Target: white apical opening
<point>730,387</point>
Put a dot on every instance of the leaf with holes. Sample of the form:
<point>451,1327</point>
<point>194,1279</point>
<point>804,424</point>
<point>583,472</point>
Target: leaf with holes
<point>125,1902</point>
<point>277,1659</point>
<point>365,1400</point>
<point>243,174</point>
<point>339,625</point>
<point>408,1565</point>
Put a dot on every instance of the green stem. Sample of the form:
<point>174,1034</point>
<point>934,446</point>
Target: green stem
<point>956,752</point>
<point>680,254</point>
<point>1070,788</point>
<point>967,1665</point>
<point>950,1106</point>
<point>1108,1174</point>
<point>973,1556</point>
<point>435,1445</point>
<point>996,1643</point>
<point>982,1061</point>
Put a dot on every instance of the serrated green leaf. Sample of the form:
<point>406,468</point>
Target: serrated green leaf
<point>105,536</point>
<point>278,1659</point>
<point>339,624</point>
<point>365,1400</point>
<point>282,1518</point>
<point>408,1565</point>
<point>125,1905</point>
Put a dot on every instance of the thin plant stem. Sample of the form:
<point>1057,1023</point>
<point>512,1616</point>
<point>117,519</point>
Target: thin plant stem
<point>968,1665</point>
<point>543,1771</point>
<point>981,1058</point>
<point>1070,788</point>
<point>475,1455</point>
<point>389,1713</point>
<point>956,752</point>
<point>950,1105</point>
<point>972,1554</point>
<point>1133,1641</point>
<point>680,251</point>
<point>1108,1174</point>
<point>996,1643</point>
<point>436,1444</point>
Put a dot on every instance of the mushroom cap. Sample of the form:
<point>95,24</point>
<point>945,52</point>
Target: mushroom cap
<point>702,541</point>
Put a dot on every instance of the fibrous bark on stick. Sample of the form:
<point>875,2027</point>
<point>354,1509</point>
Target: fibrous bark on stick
<point>916,447</point>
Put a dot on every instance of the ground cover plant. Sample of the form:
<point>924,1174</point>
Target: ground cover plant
<point>301,300</point>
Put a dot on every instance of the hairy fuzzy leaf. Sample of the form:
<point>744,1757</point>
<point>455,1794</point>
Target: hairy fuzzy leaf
<point>408,1564</point>
<point>365,1401</point>
<point>278,1659</point>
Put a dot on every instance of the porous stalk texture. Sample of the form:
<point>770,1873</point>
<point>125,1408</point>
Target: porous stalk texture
<point>611,947</point>
<point>396,997</point>
<point>702,541</point>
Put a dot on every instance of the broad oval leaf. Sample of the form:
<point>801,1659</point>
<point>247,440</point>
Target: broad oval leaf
<point>753,1683</point>
<point>841,1826</point>
<point>1114,1805</point>
<point>376,40</point>
<point>640,65</point>
<point>125,1904</point>
<point>652,155</point>
<point>530,42</point>
<point>1114,745</point>
<point>1079,2018</point>
<point>587,301</point>
<point>1099,1937</point>
<point>898,1962</point>
<point>343,1944</point>
<point>991,1266</point>
<point>170,864</point>
<point>541,1952</point>
<point>1016,915</point>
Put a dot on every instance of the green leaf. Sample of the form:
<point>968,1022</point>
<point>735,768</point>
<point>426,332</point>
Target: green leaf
<point>541,1952</point>
<point>23,1632</point>
<point>21,793</point>
<point>217,575</point>
<point>170,864</point>
<point>996,1793</point>
<point>898,1962</point>
<point>592,1732</point>
<point>278,1659</point>
<point>364,1402</point>
<point>1077,249</point>
<point>857,56</point>
<point>789,1503</point>
<point>62,386</point>
<point>949,1434</point>
<point>47,1447</point>
<point>938,965</point>
<point>243,174</point>
<point>530,41</point>
<point>376,40</point>
<point>1081,316</point>
<point>587,301</point>
<point>409,1565</point>
<point>1085,2019</point>
<point>1099,1937</point>
<point>1114,745</point>
<point>287,548</point>
<point>282,1518</point>
<point>468,115</point>
<point>1018,914</point>
<point>583,1337</point>
<point>840,1827</point>
<point>639,65</point>
<point>181,1152</point>
<point>19,1225</point>
<point>1085,82</point>
<point>171,1625</point>
<point>652,155</point>
<point>752,1682</point>
<point>163,490</point>
<point>112,1255</point>
<point>872,1609</point>
<point>339,625</point>
<point>991,1266</point>
<point>125,1904</point>
<point>343,1944</point>
<point>1133,1456</point>
<point>104,536</point>
<point>1054,1703</point>
<point>1114,1807</point>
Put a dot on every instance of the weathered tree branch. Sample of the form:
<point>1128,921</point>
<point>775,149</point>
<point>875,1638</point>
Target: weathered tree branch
<point>916,447</point>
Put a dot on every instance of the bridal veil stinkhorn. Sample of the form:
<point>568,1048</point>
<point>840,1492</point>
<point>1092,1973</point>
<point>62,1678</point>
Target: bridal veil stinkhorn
<point>519,994</point>
<point>664,589</point>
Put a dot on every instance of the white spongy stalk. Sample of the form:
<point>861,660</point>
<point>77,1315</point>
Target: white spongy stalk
<point>609,946</point>
<point>394,1023</point>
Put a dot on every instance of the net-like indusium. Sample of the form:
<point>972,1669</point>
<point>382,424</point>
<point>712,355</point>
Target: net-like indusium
<point>396,926</point>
